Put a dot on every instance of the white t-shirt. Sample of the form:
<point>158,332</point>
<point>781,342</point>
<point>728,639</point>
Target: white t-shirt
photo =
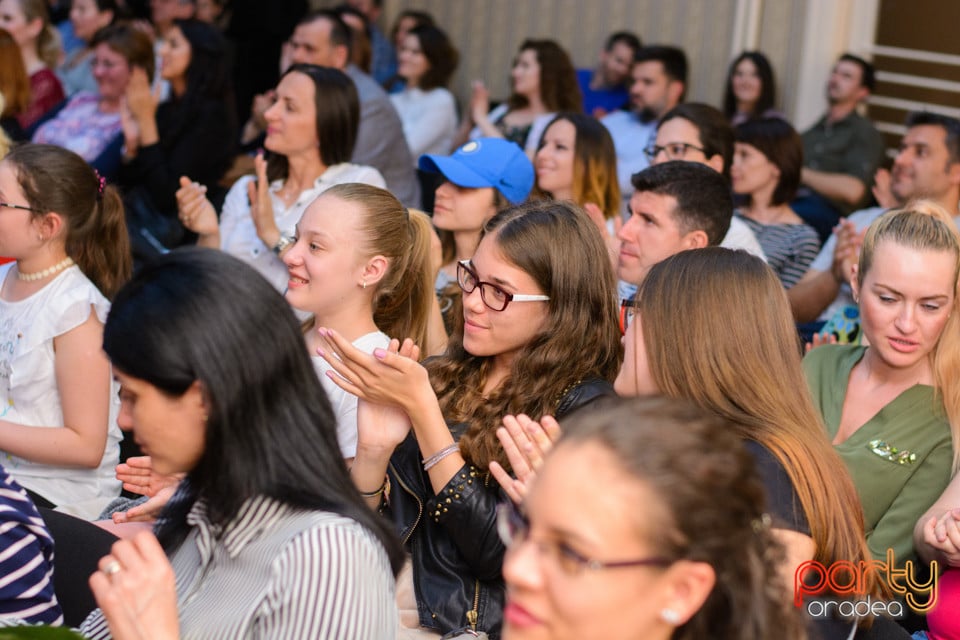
<point>238,235</point>
<point>29,393</point>
<point>740,236</point>
<point>429,120</point>
<point>345,404</point>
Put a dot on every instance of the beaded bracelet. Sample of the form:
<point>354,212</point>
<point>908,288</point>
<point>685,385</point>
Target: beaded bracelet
<point>433,460</point>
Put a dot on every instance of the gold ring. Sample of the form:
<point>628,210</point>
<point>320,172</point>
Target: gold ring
<point>112,567</point>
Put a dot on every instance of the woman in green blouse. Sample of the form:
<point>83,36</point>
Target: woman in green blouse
<point>892,409</point>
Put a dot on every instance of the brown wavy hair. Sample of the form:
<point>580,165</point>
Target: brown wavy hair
<point>561,249</point>
<point>559,88</point>
<point>58,180</point>
<point>735,320</point>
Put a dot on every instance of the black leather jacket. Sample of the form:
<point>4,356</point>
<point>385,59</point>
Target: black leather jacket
<point>452,536</point>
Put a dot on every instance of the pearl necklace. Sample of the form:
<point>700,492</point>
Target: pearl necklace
<point>49,271</point>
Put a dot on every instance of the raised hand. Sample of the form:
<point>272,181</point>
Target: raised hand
<point>479,102</point>
<point>195,210</point>
<point>261,207</point>
<point>391,376</point>
<point>819,339</point>
<point>136,590</point>
<point>526,442</point>
<point>881,189</point>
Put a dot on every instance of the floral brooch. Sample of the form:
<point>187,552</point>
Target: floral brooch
<point>892,454</point>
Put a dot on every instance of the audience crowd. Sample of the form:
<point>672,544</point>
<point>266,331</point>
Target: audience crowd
<point>314,349</point>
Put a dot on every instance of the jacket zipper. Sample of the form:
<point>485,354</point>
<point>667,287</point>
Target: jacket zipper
<point>415,497</point>
<point>474,613</point>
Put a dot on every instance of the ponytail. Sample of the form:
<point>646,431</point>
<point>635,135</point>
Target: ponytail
<point>401,308</point>
<point>56,180</point>
<point>402,299</point>
<point>102,250</point>
<point>49,46</point>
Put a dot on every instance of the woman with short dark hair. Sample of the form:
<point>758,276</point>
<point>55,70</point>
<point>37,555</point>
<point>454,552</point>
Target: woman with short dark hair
<point>767,159</point>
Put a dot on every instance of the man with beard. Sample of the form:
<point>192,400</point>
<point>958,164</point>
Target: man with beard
<point>841,151</point>
<point>659,83</point>
<point>927,166</point>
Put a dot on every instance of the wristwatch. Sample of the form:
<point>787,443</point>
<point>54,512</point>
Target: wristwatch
<point>282,244</point>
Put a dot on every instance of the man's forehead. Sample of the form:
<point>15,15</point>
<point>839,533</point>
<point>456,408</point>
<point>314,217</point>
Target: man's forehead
<point>929,135</point>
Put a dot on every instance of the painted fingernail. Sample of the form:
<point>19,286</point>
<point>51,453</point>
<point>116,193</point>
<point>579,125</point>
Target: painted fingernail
<point>379,353</point>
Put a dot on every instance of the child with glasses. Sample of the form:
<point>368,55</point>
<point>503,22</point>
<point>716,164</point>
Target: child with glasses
<point>539,336</point>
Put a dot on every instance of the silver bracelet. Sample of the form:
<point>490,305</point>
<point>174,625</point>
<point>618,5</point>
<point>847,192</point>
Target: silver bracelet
<point>432,461</point>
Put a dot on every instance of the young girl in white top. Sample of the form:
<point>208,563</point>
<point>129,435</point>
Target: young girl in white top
<point>66,229</point>
<point>360,264</point>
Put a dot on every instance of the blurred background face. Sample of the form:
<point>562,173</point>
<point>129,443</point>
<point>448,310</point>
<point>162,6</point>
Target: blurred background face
<point>554,159</point>
<point>746,82</point>
<point>13,20</point>
<point>751,171</point>
<point>412,64</point>
<point>615,64</point>
<point>111,71</point>
<point>175,53</point>
<point>649,93</point>
<point>405,26</point>
<point>923,168</point>
<point>526,73</point>
<point>86,18</point>
<point>844,83</point>
<point>459,208</point>
<point>208,10</point>
<point>292,120</point>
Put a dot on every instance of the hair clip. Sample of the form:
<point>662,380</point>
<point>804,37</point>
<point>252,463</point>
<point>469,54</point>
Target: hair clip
<point>101,182</point>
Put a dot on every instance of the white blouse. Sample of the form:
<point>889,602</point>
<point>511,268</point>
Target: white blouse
<point>429,120</point>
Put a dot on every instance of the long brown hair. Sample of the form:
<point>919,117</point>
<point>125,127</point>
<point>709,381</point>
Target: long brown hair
<point>14,81</point>
<point>740,359</point>
<point>561,249</point>
<point>559,89</point>
<point>403,297</point>
<point>594,164</point>
<point>55,179</point>
<point>926,226</point>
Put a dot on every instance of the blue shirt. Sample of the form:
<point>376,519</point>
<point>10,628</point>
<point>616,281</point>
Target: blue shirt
<point>600,102</point>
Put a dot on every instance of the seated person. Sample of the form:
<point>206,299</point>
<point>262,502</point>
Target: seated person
<point>89,124</point>
<point>26,593</point>
<point>891,408</point>
<point>766,170</point>
<point>926,166</point>
<point>841,151</point>
<point>606,88</point>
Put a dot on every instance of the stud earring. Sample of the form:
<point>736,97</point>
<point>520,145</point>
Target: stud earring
<point>670,616</point>
<point>364,284</point>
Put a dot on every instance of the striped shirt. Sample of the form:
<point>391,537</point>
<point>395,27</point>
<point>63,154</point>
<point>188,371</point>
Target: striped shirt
<point>26,559</point>
<point>279,572</point>
<point>790,248</point>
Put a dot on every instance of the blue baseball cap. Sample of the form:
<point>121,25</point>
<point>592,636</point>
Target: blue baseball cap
<point>486,162</point>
